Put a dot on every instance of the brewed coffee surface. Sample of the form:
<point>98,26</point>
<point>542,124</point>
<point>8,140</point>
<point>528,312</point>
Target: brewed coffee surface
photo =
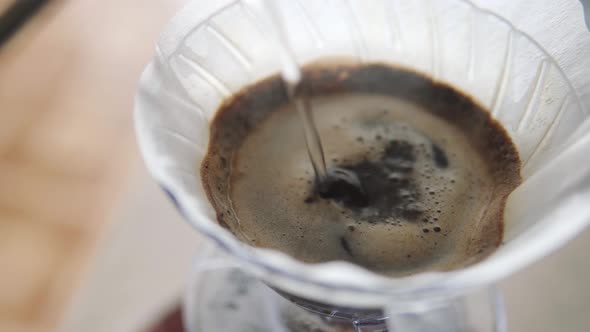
<point>435,168</point>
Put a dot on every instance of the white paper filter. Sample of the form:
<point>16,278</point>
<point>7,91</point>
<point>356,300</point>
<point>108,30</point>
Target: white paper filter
<point>211,49</point>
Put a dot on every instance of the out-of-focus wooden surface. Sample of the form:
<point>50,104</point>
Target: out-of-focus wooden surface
<point>67,82</point>
<point>5,4</point>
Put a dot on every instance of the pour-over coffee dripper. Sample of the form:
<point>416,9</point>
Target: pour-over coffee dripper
<point>212,49</point>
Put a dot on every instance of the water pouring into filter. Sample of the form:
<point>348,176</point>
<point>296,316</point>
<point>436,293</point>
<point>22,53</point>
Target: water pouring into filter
<point>339,183</point>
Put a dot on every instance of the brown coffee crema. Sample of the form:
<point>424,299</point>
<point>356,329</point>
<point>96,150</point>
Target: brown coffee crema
<point>435,166</point>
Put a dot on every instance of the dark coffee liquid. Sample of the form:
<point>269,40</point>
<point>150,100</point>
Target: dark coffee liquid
<point>435,170</point>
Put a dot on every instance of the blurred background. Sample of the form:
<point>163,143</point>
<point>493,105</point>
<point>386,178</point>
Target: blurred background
<point>70,173</point>
<point>88,242</point>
